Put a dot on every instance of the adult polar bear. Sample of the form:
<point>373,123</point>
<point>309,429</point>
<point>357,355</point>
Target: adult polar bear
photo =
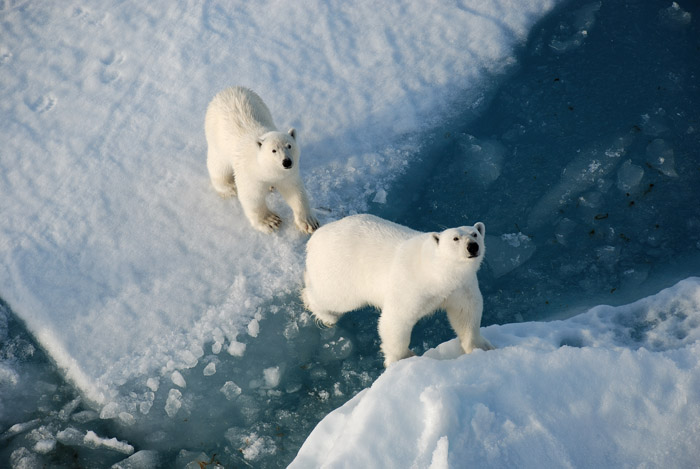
<point>364,260</point>
<point>246,156</point>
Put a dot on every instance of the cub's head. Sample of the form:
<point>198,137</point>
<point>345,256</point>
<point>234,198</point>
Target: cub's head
<point>278,152</point>
<point>463,244</point>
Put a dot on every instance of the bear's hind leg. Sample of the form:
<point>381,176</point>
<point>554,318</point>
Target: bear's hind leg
<point>225,186</point>
<point>221,175</point>
<point>322,316</point>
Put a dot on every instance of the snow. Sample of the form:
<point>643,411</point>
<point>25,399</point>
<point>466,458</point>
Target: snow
<point>138,309</point>
<point>115,251</point>
<point>612,387</point>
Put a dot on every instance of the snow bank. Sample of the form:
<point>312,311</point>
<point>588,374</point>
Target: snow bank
<point>114,250</point>
<point>613,387</point>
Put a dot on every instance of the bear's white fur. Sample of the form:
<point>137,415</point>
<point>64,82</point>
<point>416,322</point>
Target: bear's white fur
<point>247,157</point>
<point>364,260</point>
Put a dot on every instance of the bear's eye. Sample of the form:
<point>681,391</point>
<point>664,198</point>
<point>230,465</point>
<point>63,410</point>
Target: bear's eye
<point>289,146</point>
<point>274,151</point>
<point>473,235</point>
<point>455,238</point>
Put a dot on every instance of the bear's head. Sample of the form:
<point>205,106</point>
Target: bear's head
<point>278,153</point>
<point>464,244</point>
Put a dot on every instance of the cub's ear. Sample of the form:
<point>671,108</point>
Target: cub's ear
<point>436,237</point>
<point>260,143</point>
<point>481,228</point>
<point>293,133</point>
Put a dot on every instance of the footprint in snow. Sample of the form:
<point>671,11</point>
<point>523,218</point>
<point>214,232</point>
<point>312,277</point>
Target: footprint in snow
<point>41,104</point>
<point>110,61</point>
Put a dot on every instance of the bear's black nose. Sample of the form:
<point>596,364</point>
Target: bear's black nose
<point>473,249</point>
<point>287,163</point>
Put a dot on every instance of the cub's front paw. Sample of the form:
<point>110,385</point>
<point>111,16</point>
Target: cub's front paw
<point>308,225</point>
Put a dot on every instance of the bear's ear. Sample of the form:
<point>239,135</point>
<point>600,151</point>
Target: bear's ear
<point>293,133</point>
<point>436,237</point>
<point>260,143</point>
<point>481,228</point>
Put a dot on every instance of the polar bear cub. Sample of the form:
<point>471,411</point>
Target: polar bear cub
<point>246,156</point>
<point>364,260</point>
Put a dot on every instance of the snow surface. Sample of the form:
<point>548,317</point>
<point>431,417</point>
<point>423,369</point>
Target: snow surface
<point>114,250</point>
<point>173,318</point>
<point>612,387</point>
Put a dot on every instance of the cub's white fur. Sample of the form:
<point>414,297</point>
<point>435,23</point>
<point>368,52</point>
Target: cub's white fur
<point>247,156</point>
<point>365,260</point>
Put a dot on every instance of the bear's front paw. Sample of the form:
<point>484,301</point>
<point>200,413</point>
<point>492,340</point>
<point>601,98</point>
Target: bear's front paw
<point>270,223</point>
<point>484,344</point>
<point>393,358</point>
<point>308,225</point>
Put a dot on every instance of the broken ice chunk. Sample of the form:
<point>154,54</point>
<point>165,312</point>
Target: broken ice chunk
<point>173,403</point>
<point>210,369</point>
<point>380,197</point>
<point>629,176</point>
<point>660,156</point>
<point>231,390</point>
<point>272,376</point>
<point>178,379</point>
<point>508,251</point>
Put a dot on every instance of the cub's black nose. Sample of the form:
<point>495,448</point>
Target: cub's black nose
<point>473,248</point>
<point>287,163</point>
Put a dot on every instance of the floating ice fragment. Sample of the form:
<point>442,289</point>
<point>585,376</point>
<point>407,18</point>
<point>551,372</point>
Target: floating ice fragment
<point>216,348</point>
<point>253,328</point>
<point>18,428</point>
<point>564,229</point>
<point>153,384</point>
<point>85,416</point>
<point>44,446</point>
<point>145,407</point>
<point>126,418</point>
<point>70,437</point>
<point>481,161</point>
<point>236,349</point>
<point>191,357</point>
<point>608,256</point>
<point>173,403</point>
<point>380,197</point>
<point>210,369</point>
<point>256,446</point>
<point>91,440</point>
<point>660,155</point>
<point>508,251</point>
<point>338,349</point>
<point>675,17</point>
<point>231,390</point>
<point>178,379</point>
<point>68,409</point>
<point>573,34</point>
<point>291,330</point>
<point>272,376</point>
<point>109,411</point>
<point>22,458</point>
<point>144,459</point>
<point>629,176</point>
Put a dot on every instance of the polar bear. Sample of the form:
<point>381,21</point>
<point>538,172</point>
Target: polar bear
<point>364,260</point>
<point>247,156</point>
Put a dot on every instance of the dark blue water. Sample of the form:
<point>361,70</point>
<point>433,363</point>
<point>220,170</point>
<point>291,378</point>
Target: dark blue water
<point>586,157</point>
